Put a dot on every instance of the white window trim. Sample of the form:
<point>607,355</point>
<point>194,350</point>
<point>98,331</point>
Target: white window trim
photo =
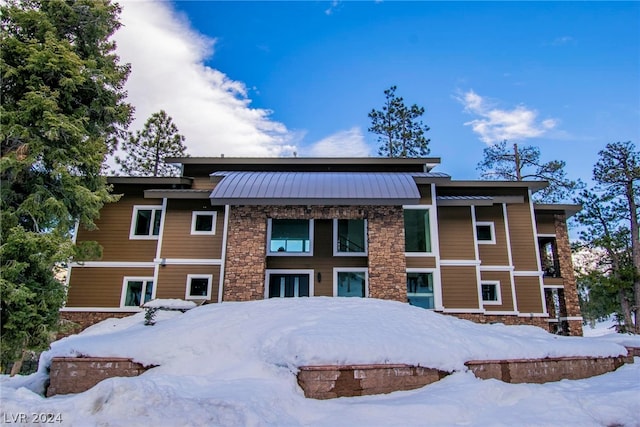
<point>269,253</point>
<point>268,274</point>
<point>435,274</point>
<point>493,232</point>
<point>364,270</point>
<point>123,292</point>
<point>187,293</point>
<point>335,240</point>
<point>214,219</point>
<point>134,217</point>
<point>496,283</point>
<point>431,228</point>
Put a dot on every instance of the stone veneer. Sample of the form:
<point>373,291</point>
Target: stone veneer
<point>570,291</point>
<point>81,320</point>
<point>247,243</point>
<point>507,320</point>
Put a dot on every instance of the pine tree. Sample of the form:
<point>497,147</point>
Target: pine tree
<point>522,164</point>
<point>61,107</point>
<point>147,149</point>
<point>399,131</point>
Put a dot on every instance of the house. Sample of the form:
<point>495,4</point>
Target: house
<point>238,229</point>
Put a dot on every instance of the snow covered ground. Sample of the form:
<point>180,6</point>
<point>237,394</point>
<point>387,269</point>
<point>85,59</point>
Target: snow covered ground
<point>234,364</point>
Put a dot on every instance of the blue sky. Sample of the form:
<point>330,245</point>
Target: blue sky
<point>270,78</point>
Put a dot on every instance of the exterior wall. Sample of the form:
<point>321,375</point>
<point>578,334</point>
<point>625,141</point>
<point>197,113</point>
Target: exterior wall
<point>504,277</point>
<point>202,183</point>
<point>77,321</point>
<point>425,194</point>
<point>493,254</point>
<point>523,243</point>
<point>456,233</point>
<point>568,277</point>
<point>114,226</point>
<point>420,262</point>
<point>246,259</point>
<point>100,286</point>
<point>528,294</point>
<point>545,223</point>
<point>172,280</point>
<point>177,240</point>
<point>540,322</point>
<point>459,287</point>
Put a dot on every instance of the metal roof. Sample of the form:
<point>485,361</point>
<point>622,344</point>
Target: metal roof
<point>315,188</point>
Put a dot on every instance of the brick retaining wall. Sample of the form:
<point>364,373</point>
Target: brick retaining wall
<point>77,374</point>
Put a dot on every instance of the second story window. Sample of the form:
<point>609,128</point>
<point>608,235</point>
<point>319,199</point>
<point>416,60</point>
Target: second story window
<point>145,222</point>
<point>417,231</point>
<point>350,236</point>
<point>549,256</point>
<point>485,233</point>
<point>290,236</point>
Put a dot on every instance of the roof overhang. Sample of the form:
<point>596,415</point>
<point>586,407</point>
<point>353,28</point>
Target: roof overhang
<point>315,188</point>
<point>532,185</point>
<point>149,180</point>
<point>567,209</point>
<point>176,194</point>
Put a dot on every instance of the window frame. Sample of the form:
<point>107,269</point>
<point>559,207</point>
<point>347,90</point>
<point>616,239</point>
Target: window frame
<point>214,219</point>
<point>190,277</point>
<point>492,229</point>
<point>270,228</point>
<point>336,251</point>
<point>134,222</point>
<point>299,272</point>
<point>337,270</point>
<point>432,220</point>
<point>495,283</point>
<point>145,281</point>
<point>431,271</point>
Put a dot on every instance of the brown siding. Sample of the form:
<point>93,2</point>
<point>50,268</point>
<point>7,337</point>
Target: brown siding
<point>459,287</point>
<point>113,230</point>
<point>528,294</point>
<point>177,240</point>
<point>505,289</point>
<point>523,248</point>
<point>491,254</point>
<point>545,223</point>
<point>172,280</point>
<point>322,260</point>
<point>421,262</point>
<point>425,194</point>
<point>456,232</point>
<point>100,286</point>
<point>202,183</point>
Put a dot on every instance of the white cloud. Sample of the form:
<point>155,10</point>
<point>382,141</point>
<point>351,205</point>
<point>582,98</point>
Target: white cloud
<point>332,7</point>
<point>345,143</point>
<point>495,125</point>
<point>168,72</point>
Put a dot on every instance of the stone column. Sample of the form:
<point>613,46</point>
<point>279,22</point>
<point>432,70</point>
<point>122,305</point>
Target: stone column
<point>246,254</point>
<point>387,265</point>
<point>571,301</point>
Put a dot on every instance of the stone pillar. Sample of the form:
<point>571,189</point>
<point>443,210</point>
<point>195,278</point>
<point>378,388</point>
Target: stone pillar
<point>387,264</point>
<point>571,301</point>
<point>246,254</point>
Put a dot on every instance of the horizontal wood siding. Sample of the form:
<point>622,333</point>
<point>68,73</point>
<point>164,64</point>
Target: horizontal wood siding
<point>456,232</point>
<point>545,223</point>
<point>528,294</point>
<point>421,262</point>
<point>425,194</point>
<point>100,287</point>
<point>505,289</point>
<point>491,254</point>
<point>177,240</point>
<point>322,261</point>
<point>172,280</point>
<point>202,183</point>
<point>523,249</point>
<point>459,287</point>
<point>114,226</point>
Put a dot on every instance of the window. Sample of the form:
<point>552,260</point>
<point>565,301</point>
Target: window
<point>491,293</point>
<point>549,256</point>
<point>288,285</point>
<point>198,286</point>
<point>350,237</point>
<point>136,291</point>
<point>420,289</point>
<point>145,223</point>
<point>203,222</point>
<point>349,282</point>
<point>417,232</point>
<point>485,233</point>
<point>290,236</point>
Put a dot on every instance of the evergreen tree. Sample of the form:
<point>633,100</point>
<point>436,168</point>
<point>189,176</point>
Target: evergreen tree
<point>62,106</point>
<point>400,132</point>
<point>522,164</point>
<point>147,149</point>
